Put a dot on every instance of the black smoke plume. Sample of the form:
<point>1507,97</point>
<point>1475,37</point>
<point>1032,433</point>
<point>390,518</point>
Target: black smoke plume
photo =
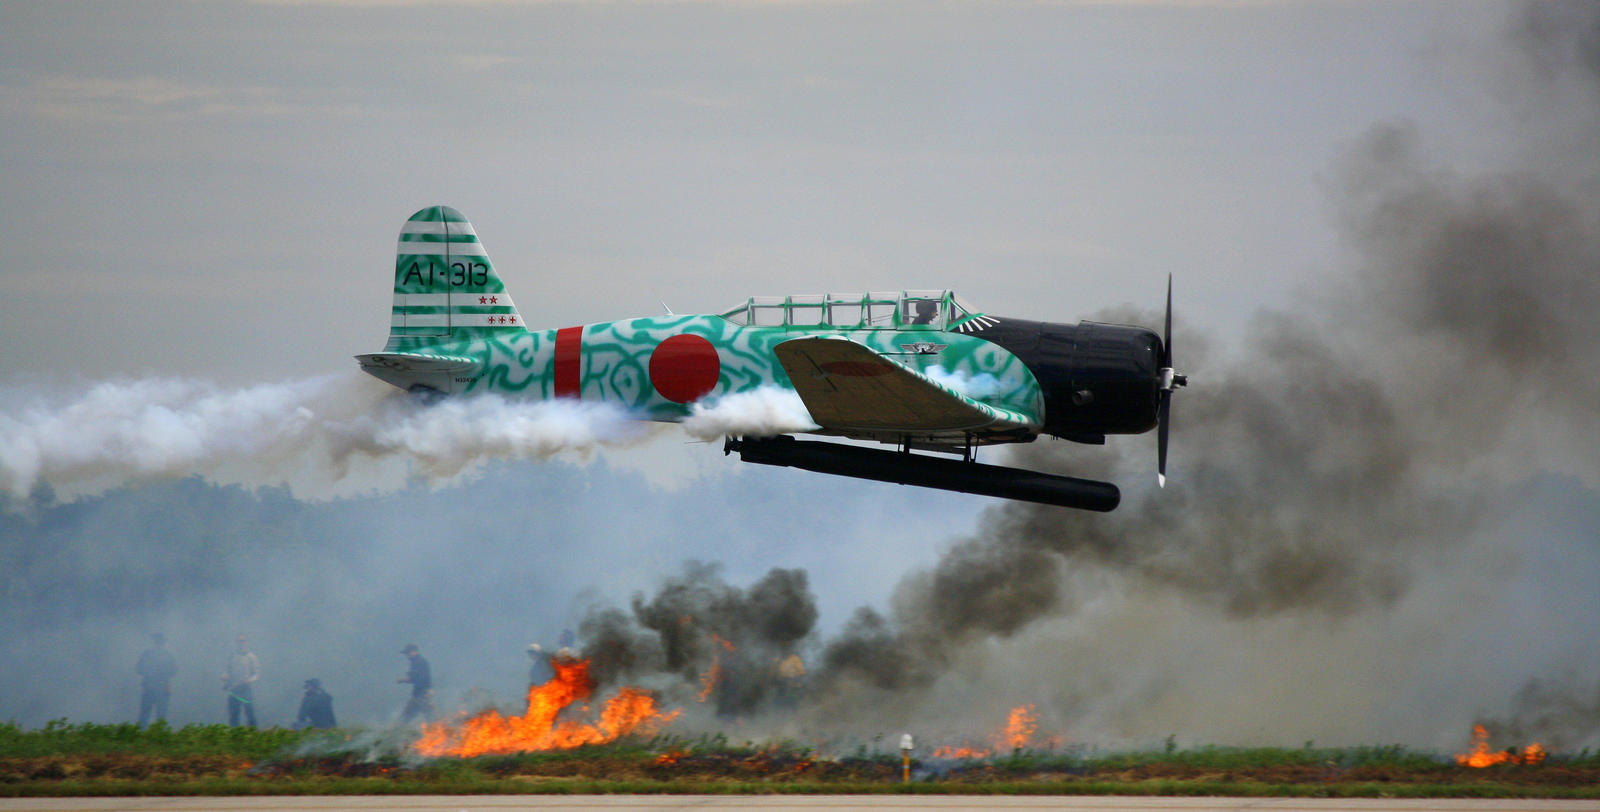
<point>1328,471</point>
<point>727,643</point>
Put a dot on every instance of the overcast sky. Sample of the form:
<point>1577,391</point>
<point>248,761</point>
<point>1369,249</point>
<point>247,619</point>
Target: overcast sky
<point>213,188</point>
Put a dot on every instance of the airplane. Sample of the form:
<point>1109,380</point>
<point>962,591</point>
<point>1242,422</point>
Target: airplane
<point>919,369</point>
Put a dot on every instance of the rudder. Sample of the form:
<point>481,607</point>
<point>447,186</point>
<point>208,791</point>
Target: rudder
<point>445,287</point>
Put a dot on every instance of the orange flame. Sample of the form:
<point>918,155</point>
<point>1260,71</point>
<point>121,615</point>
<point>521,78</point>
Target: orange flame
<point>713,675</point>
<point>708,680</point>
<point>948,751</point>
<point>1482,756</point>
<point>1020,727</point>
<point>630,711</point>
<point>1021,724</point>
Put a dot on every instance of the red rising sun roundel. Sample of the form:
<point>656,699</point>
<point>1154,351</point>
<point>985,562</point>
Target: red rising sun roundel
<point>684,368</point>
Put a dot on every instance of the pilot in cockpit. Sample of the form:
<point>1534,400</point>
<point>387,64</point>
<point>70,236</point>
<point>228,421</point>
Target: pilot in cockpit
<point>926,310</point>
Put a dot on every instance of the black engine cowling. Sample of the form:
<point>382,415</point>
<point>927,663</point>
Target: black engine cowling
<point>1097,378</point>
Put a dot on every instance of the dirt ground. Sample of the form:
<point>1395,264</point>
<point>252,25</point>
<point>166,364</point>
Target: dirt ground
<point>766,767</point>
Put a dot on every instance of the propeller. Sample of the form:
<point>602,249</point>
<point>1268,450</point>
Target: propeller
<point>1170,382</point>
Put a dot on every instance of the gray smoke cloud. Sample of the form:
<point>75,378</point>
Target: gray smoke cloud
<point>1350,464</point>
<point>1350,488</point>
<point>473,572</point>
<point>1561,42</point>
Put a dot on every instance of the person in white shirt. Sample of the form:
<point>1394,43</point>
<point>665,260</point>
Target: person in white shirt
<point>243,671</point>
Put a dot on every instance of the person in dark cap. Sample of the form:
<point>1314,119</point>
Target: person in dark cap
<point>156,669</point>
<point>421,679</point>
<point>316,707</point>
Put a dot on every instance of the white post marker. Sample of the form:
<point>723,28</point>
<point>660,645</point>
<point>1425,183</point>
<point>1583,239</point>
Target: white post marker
<point>906,746</point>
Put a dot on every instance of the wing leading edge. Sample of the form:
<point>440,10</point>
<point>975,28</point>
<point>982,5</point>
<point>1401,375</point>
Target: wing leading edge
<point>852,390</point>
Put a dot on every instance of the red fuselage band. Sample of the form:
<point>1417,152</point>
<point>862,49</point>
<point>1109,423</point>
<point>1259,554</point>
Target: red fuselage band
<point>569,361</point>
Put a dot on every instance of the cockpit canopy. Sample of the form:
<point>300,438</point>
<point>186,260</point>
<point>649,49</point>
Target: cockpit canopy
<point>899,310</point>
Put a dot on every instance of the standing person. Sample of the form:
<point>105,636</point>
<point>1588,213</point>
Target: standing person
<point>156,669</point>
<point>421,679</point>
<point>791,676</point>
<point>243,671</point>
<point>316,707</point>
<point>539,671</point>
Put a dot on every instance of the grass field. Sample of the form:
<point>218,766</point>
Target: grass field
<point>90,759</point>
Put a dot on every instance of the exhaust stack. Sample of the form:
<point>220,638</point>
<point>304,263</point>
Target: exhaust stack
<point>928,472</point>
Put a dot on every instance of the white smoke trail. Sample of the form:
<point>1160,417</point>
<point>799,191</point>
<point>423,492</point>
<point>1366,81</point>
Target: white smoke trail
<point>146,428</point>
<point>128,431</point>
<point>762,412</point>
<point>455,435</point>
<point>982,385</point>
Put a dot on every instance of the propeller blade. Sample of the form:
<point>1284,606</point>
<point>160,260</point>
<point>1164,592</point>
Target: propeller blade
<point>1168,383</point>
<point>1164,419</point>
<point>1166,334</point>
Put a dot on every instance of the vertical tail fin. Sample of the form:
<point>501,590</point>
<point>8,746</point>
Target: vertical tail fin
<point>445,288</point>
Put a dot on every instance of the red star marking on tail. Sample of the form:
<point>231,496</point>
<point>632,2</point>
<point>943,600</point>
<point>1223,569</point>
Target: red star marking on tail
<point>483,299</point>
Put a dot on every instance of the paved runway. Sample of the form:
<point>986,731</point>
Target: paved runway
<point>767,803</point>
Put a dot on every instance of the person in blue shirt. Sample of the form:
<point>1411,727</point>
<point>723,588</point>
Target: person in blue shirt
<point>156,669</point>
<point>421,679</point>
<point>316,707</point>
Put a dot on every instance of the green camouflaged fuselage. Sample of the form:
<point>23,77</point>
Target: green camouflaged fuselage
<point>615,361</point>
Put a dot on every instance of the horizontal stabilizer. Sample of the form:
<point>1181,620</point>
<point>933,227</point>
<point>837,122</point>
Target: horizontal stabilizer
<point>415,362</point>
<point>851,389</point>
<point>411,370</point>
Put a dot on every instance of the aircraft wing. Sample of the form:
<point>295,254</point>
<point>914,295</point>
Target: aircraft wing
<point>852,390</point>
